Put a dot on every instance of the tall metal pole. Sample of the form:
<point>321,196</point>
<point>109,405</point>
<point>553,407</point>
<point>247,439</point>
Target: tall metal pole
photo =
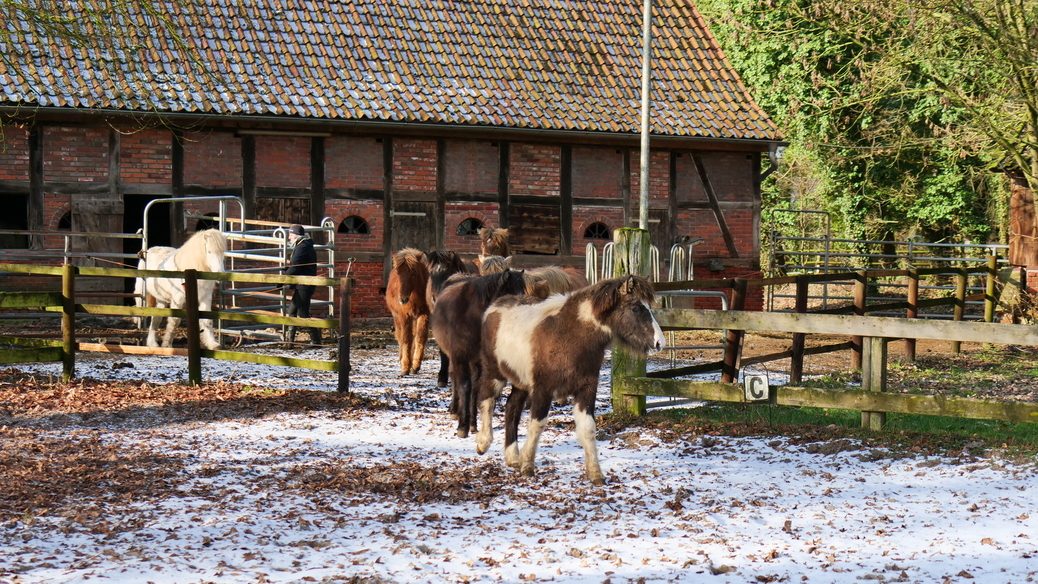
<point>643,192</point>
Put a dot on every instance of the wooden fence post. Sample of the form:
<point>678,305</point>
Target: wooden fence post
<point>989,289</point>
<point>913,309</point>
<point>194,341</point>
<point>861,282</point>
<point>796,367</point>
<point>631,256</point>
<point>960,305</point>
<point>733,342</point>
<point>345,289</point>
<point>874,378</point>
<point>68,322</point>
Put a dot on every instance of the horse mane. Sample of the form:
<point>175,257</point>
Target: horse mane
<point>493,264</point>
<point>487,288</point>
<point>607,294</point>
<point>440,260</point>
<point>495,239</point>
<point>547,281</point>
<point>194,254</point>
<point>408,256</point>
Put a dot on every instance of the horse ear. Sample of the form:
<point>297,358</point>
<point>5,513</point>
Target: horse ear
<point>508,262</point>
<point>605,297</point>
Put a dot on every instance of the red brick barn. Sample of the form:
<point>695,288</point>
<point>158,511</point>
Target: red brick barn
<point>407,123</point>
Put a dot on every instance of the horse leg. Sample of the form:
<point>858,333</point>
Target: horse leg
<point>584,419</point>
<point>513,413</point>
<point>153,322</point>
<point>443,376</point>
<point>540,403</point>
<point>419,338</point>
<point>208,337</point>
<point>404,335</point>
<point>171,323</point>
<point>463,386</point>
<point>489,390</point>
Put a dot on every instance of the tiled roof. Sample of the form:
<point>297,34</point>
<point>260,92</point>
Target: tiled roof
<point>544,64</point>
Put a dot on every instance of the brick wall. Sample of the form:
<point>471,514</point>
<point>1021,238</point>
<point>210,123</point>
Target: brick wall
<point>212,159</point>
<point>145,156</point>
<point>585,216</point>
<point>370,211</point>
<point>282,161</point>
<point>353,163</point>
<point>414,165</point>
<point>75,154</point>
<point>534,170</point>
<point>14,153</point>
<point>367,300</point>
<point>597,172</point>
<point>471,166</point>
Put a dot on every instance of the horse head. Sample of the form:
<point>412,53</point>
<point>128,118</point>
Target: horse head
<point>622,304</point>
<point>411,271</point>
<point>203,251</point>
<point>493,242</point>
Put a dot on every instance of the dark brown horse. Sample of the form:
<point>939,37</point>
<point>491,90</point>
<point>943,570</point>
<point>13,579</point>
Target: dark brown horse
<point>553,349</point>
<point>457,325</point>
<point>442,264</point>
<point>405,298</point>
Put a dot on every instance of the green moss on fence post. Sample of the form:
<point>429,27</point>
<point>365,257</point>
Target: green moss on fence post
<point>631,253</point>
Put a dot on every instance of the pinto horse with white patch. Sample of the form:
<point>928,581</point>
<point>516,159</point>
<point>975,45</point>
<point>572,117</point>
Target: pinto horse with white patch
<point>553,349</point>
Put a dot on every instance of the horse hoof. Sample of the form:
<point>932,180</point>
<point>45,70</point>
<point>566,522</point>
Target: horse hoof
<point>527,471</point>
<point>462,433</point>
<point>598,481</point>
<point>441,384</point>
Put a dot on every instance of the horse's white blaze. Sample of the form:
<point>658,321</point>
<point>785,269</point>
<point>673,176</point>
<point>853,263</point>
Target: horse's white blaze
<point>657,332</point>
<point>513,348</point>
<point>585,427</point>
<point>587,314</point>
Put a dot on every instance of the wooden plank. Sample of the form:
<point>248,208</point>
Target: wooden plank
<point>29,299</point>
<point>272,360</point>
<point>33,342</point>
<point>218,276</point>
<point>35,355</point>
<point>31,269</point>
<point>130,349</point>
<point>872,326</point>
<point>842,399</point>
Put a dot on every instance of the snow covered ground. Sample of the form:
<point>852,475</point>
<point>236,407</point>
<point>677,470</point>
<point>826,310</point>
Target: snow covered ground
<point>267,500</point>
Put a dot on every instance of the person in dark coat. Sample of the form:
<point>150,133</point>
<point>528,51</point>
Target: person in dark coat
<point>303,263</point>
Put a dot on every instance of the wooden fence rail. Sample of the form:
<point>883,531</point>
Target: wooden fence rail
<point>871,398</point>
<point>65,302</point>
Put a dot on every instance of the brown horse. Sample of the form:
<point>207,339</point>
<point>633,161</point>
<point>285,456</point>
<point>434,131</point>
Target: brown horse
<point>493,241</point>
<point>406,300</point>
<point>553,349</point>
<point>442,264</point>
<point>549,280</point>
<point>457,323</point>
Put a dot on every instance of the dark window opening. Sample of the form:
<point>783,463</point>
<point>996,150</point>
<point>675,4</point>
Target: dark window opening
<point>598,230</point>
<point>14,218</point>
<point>354,225</point>
<point>206,223</point>
<point>65,223</point>
<point>470,226</point>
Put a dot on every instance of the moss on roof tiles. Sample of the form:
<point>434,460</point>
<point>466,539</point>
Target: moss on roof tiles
<point>543,64</point>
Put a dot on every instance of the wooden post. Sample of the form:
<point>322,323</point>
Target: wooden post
<point>989,289</point>
<point>631,256</point>
<point>874,378</point>
<point>960,305</point>
<point>796,366</point>
<point>733,342</point>
<point>345,289</point>
<point>861,283</point>
<point>68,322</point>
<point>194,340</point>
<point>913,309</point>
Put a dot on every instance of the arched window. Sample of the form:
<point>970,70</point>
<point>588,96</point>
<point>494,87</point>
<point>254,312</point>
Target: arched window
<point>65,223</point>
<point>355,225</point>
<point>470,226</point>
<point>598,230</point>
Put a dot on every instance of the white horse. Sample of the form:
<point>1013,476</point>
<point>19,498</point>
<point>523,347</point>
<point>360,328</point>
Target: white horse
<point>204,252</point>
